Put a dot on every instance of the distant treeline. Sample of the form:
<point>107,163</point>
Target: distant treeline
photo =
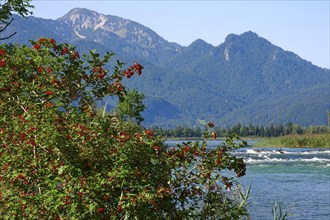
<point>243,130</point>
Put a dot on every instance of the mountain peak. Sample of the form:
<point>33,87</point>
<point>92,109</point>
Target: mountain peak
<point>249,34</point>
<point>84,22</point>
<point>199,43</point>
<point>83,17</point>
<point>246,36</point>
<point>80,11</point>
<point>245,43</point>
<point>101,28</point>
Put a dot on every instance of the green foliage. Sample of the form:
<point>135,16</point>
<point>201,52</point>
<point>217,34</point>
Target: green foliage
<point>8,7</point>
<point>244,130</point>
<point>132,106</point>
<point>303,140</point>
<point>279,213</point>
<point>198,185</point>
<point>61,160</point>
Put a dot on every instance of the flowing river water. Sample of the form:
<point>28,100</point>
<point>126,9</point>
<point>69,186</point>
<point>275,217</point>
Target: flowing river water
<point>298,178</point>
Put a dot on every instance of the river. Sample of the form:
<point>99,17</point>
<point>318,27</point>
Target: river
<point>298,178</point>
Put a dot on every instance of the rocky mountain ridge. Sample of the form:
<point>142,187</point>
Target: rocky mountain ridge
<point>245,79</point>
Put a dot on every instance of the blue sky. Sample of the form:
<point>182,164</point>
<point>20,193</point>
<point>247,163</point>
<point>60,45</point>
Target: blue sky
<point>298,26</point>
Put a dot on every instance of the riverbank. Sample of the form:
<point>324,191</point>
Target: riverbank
<point>289,141</point>
<point>297,141</point>
<point>254,138</point>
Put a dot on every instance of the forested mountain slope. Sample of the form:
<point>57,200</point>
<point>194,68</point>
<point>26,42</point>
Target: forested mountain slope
<point>245,79</point>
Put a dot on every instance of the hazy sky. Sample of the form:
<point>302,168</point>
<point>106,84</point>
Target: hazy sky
<point>298,26</point>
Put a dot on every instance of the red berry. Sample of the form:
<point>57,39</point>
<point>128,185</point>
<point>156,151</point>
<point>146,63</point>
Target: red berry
<point>100,210</point>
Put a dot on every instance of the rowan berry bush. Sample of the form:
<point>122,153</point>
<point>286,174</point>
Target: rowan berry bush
<point>59,159</point>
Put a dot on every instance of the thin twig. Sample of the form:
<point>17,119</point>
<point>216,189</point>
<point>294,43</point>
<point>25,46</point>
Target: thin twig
<point>5,38</point>
<point>4,28</point>
<point>24,110</point>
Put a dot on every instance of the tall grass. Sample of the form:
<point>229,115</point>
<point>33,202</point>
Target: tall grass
<point>295,141</point>
<point>279,211</point>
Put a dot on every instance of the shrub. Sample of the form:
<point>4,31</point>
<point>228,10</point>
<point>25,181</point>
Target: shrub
<point>61,160</point>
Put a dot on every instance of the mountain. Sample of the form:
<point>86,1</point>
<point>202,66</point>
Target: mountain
<point>245,79</point>
<point>139,40</point>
